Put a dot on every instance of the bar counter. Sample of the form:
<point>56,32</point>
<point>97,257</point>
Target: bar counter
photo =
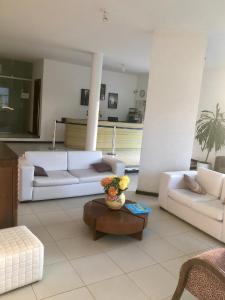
<point>128,135</point>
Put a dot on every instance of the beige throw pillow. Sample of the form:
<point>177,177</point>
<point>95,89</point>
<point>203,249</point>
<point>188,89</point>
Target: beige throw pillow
<point>193,185</point>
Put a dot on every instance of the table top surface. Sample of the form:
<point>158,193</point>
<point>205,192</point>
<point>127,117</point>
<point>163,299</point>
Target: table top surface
<point>97,208</point>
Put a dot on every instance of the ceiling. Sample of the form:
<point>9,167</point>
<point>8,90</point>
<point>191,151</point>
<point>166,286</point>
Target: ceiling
<point>70,30</point>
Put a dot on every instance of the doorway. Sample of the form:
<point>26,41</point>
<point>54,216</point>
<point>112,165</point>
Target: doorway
<point>36,107</point>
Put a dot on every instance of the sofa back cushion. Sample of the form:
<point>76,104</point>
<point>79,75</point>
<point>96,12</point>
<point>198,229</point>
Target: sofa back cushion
<point>49,160</point>
<point>211,181</point>
<point>83,159</point>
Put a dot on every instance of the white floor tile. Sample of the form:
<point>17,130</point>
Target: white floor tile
<point>75,214</point>
<point>52,254</point>
<point>45,206</point>
<point>28,220</point>
<point>78,294</point>
<point>78,247</point>
<point>52,218</point>
<point>119,288</point>
<point>186,296</point>
<point>174,265</point>
<point>24,293</point>
<point>130,258</point>
<point>149,235</point>
<point>205,238</point>
<point>109,242</point>
<point>155,282</point>
<point>64,230</point>
<point>95,268</point>
<point>161,250</point>
<point>170,227</point>
<point>24,209</point>
<point>71,203</point>
<point>42,234</point>
<point>186,243</point>
<point>58,278</point>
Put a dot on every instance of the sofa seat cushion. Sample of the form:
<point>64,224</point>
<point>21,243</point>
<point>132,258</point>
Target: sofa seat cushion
<point>89,175</point>
<point>55,178</point>
<point>187,198</point>
<point>212,209</point>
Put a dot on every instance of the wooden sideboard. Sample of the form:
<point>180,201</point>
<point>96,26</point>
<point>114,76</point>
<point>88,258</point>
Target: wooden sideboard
<point>8,186</point>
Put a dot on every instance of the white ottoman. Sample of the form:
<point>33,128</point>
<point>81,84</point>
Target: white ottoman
<point>21,258</point>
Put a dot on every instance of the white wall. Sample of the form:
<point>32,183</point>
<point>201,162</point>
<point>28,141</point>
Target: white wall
<point>62,83</point>
<point>142,84</point>
<point>212,92</point>
<point>123,84</point>
<point>177,62</point>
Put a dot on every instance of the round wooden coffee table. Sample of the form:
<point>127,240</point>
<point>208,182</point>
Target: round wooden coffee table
<point>102,220</point>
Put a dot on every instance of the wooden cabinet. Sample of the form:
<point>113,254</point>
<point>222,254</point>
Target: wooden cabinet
<point>8,186</point>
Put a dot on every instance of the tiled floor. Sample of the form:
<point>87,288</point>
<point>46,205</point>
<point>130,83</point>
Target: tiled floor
<point>122,268</point>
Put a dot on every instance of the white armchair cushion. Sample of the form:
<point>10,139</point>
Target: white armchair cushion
<point>212,209</point>
<point>55,178</point>
<point>89,175</point>
<point>187,197</point>
<point>211,181</point>
<point>49,160</point>
<point>83,159</point>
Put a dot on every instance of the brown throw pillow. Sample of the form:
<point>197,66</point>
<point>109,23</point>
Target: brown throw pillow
<point>102,167</point>
<point>193,185</point>
<point>39,171</point>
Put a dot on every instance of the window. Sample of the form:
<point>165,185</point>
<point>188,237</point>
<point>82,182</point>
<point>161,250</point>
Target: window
<point>4,97</point>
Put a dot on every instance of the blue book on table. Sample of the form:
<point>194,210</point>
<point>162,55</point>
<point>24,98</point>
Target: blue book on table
<point>138,209</point>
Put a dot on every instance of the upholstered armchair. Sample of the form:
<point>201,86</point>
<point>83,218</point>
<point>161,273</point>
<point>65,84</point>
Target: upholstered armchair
<point>203,276</point>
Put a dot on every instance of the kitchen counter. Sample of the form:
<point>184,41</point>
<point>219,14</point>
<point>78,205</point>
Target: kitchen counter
<point>128,135</point>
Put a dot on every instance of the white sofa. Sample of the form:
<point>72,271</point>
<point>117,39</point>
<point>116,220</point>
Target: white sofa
<point>69,174</point>
<point>206,212</point>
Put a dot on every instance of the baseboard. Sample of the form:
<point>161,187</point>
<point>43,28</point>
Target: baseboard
<point>147,193</point>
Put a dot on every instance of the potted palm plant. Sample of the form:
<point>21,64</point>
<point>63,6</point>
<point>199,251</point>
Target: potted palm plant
<point>210,130</point>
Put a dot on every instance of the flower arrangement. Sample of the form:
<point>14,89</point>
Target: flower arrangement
<point>114,187</point>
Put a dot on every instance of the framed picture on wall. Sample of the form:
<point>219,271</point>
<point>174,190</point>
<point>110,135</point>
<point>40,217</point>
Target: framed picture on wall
<point>84,99</point>
<point>112,100</point>
<point>102,91</point>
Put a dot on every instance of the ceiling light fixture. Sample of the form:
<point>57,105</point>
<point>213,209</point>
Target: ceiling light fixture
<point>105,15</point>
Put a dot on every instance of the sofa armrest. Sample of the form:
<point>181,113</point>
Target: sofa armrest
<point>118,167</point>
<point>26,177</point>
<point>223,226</point>
<point>172,180</point>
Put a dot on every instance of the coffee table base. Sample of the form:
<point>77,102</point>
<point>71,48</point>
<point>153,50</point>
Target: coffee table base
<point>98,234</point>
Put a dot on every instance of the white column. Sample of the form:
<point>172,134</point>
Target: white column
<point>94,98</point>
<point>176,68</point>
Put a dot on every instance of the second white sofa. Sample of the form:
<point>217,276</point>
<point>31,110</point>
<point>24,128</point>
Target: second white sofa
<point>206,212</point>
<point>69,174</point>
